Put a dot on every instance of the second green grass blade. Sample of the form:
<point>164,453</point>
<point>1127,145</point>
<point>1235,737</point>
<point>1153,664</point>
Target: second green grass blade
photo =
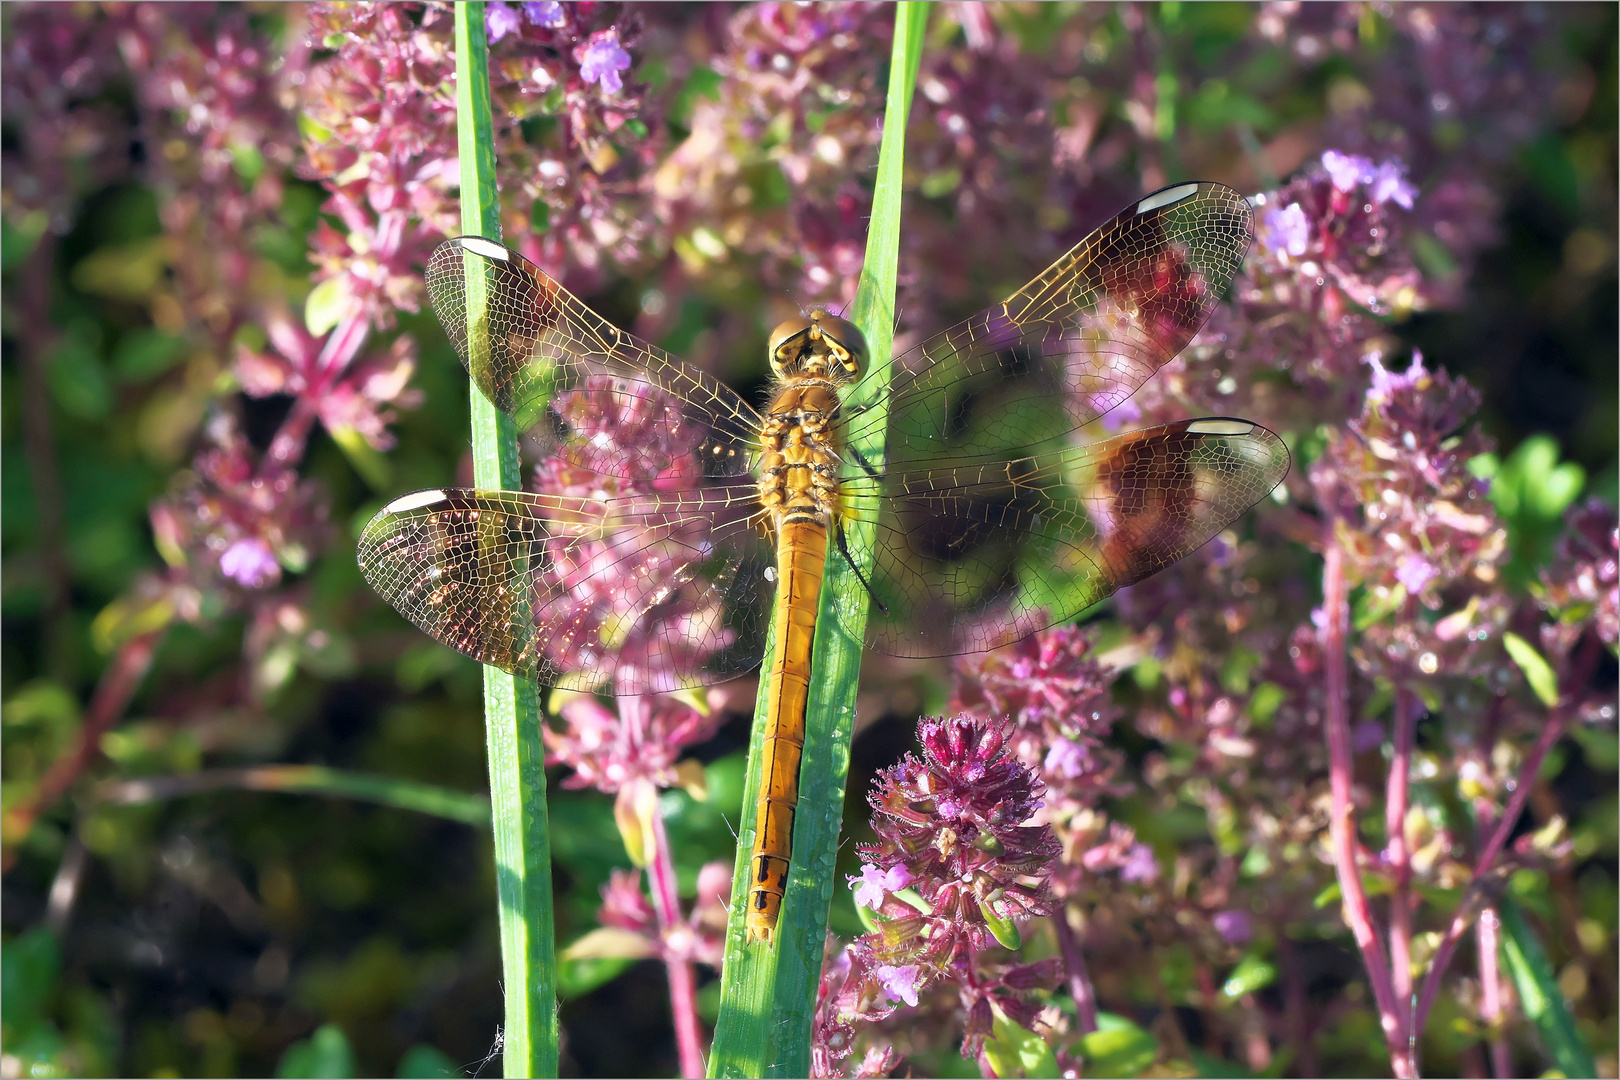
<point>1541,998</point>
<point>769,992</point>
<point>517,775</point>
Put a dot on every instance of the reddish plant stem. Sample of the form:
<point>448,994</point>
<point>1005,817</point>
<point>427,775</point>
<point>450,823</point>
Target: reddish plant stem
<point>39,445</point>
<point>1145,96</point>
<point>682,982</point>
<point>1396,799</point>
<point>1296,1008</point>
<point>1488,935</point>
<point>672,929</point>
<point>1341,763</point>
<point>1074,961</point>
<point>1576,678</point>
<point>287,446</point>
<point>112,696</point>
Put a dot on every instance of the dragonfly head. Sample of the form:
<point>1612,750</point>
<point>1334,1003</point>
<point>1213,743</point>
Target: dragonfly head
<point>820,346</point>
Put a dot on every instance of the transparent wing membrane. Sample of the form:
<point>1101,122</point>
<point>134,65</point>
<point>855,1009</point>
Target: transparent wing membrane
<point>1075,342</point>
<point>641,560</point>
<point>969,557</point>
<point>996,515</point>
<point>629,595</point>
<point>562,371</point>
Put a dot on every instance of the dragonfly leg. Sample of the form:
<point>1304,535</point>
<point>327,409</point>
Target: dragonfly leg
<point>885,393</point>
<point>843,547</point>
<point>866,466</point>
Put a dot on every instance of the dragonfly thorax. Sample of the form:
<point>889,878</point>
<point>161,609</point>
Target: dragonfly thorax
<point>819,346</point>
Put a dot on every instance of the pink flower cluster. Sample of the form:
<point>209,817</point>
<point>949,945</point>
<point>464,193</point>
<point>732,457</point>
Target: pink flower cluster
<point>955,869</point>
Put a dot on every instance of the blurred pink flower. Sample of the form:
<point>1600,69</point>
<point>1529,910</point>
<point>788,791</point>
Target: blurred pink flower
<point>1140,865</point>
<point>601,59</point>
<point>642,741</point>
<point>1385,182</point>
<point>1285,230</point>
<point>500,19</point>
<point>250,563</point>
<point>1235,926</point>
<point>547,14</point>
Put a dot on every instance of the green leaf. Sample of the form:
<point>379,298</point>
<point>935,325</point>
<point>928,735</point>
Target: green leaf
<point>328,304</point>
<point>517,776</point>
<point>41,703</point>
<point>1537,672</point>
<point>1014,1050</point>
<point>426,1061</point>
<point>367,460</point>
<point>29,967</point>
<point>1005,931</point>
<point>1117,1048</point>
<point>78,379</point>
<point>579,976</point>
<point>130,272</point>
<point>1252,973</point>
<point>324,1054</point>
<point>1209,1065</point>
<point>769,991</point>
<point>1531,489</point>
<point>1543,1002</point>
<point>18,238</point>
<point>1265,701</point>
<point>248,161</point>
<point>143,355</point>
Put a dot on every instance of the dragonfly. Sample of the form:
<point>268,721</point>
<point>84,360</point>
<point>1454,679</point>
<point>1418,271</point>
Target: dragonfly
<point>669,525</point>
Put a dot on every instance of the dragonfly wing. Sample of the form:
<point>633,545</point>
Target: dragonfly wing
<point>626,595</point>
<point>569,377</point>
<point>1073,343</point>
<point>968,557</point>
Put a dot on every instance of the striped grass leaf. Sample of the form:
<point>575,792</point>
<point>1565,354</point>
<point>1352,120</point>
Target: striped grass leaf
<point>768,992</point>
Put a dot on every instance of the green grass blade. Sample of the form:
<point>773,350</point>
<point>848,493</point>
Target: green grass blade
<point>402,794</point>
<point>517,778</point>
<point>1527,965</point>
<point>768,994</point>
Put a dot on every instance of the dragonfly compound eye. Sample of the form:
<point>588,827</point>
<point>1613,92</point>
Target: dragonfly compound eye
<point>822,345</point>
<point>787,341</point>
<point>844,341</point>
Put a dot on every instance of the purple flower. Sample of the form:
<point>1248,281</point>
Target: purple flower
<point>1385,183</point>
<point>250,563</point>
<point>547,14</point>
<point>641,741</point>
<point>1415,572</point>
<point>1067,758</point>
<point>1286,230</point>
<point>874,883</point>
<point>1386,384</point>
<point>1140,865</point>
<point>899,982</point>
<point>500,20</point>
<point>1389,183</point>
<point>1347,170</point>
<point>601,59</point>
<point>1235,926</point>
<point>1367,736</point>
<point>956,820</point>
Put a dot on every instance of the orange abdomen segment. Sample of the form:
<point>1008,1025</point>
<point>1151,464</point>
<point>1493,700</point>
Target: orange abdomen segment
<point>801,557</point>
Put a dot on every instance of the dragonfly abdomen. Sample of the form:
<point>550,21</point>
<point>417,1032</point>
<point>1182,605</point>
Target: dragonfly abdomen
<point>801,557</point>
<point>799,490</point>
